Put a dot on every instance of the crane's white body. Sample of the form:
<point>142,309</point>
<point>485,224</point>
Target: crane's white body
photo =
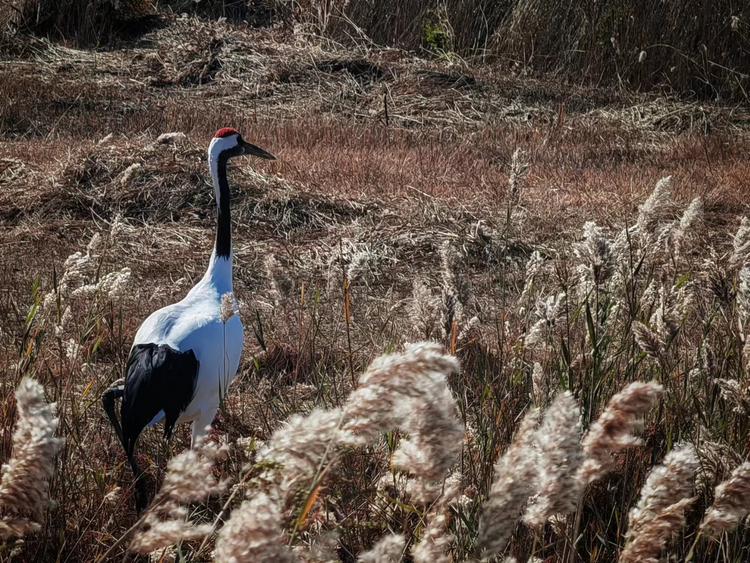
<point>195,324</point>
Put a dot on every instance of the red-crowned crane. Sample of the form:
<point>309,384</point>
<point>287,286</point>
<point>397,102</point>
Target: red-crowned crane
<point>184,356</point>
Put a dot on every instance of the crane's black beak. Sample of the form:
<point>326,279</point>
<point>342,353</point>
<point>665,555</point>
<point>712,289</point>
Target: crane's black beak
<point>252,150</point>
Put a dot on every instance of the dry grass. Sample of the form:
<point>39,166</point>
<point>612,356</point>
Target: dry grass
<point>533,287</point>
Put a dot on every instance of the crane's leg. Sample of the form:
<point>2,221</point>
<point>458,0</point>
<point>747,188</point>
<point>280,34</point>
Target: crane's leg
<point>200,426</point>
<point>108,402</point>
<point>141,493</point>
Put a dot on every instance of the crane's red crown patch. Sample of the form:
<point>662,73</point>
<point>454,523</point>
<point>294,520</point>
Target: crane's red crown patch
<point>225,132</point>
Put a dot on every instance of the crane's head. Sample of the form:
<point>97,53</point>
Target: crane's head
<point>228,143</point>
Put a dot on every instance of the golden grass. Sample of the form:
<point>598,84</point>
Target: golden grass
<point>387,233</point>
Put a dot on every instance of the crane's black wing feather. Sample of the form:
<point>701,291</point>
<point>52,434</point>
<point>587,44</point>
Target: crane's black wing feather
<point>158,378</point>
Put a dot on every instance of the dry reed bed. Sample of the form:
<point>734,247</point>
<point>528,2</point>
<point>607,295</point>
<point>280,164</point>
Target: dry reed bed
<point>647,301</point>
<point>528,295</point>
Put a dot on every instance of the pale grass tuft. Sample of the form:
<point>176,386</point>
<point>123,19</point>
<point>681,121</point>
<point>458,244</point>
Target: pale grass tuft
<point>253,534</point>
<point>558,445</point>
<point>648,340</point>
<point>595,251</point>
<point>549,312</point>
<point>409,391</point>
<point>731,503</point>
<point>519,167</point>
<point>303,444</point>
<point>691,218</point>
<point>455,288</point>
<point>533,268</point>
<point>388,549</point>
<point>424,309</point>
<point>613,429</point>
<point>665,485</point>
<point>434,542</point>
<point>733,393</point>
<point>740,246</point>
<point>65,321</point>
<point>647,546</point>
<point>539,384</point>
<point>129,174</point>
<point>652,211</point>
<point>26,476</point>
<point>229,307</point>
<point>170,138</point>
<point>743,294</point>
<point>660,512</point>
<point>515,478</point>
<point>189,479</point>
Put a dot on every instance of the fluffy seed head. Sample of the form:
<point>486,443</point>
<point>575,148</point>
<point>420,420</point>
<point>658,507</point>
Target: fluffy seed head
<point>519,167</point>
<point>559,459</point>
<point>740,246</point>
<point>515,478</point>
<point>731,503</point>
<point>229,307</point>
<point>652,211</point>
<point>596,254</point>
<point>189,479</point>
<point>665,485</point>
<point>647,339</point>
<point>302,444</point>
<point>253,533</point>
<point>613,429</point>
<point>409,391</point>
<point>660,512</point>
<point>25,478</point>
<point>434,543</point>
<point>388,549</point>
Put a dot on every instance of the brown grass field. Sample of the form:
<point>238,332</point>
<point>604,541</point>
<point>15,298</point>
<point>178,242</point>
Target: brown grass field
<point>395,213</point>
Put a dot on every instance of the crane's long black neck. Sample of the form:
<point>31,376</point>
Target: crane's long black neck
<point>223,245</point>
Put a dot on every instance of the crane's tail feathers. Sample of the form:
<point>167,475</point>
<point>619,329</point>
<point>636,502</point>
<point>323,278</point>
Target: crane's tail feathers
<point>108,402</point>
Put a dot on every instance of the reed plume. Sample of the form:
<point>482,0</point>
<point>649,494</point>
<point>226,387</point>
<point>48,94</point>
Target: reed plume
<point>26,476</point>
<point>559,460</point>
<point>660,512</point>
<point>652,211</point>
<point>424,309</point>
<point>301,445</point>
<point>533,268</point>
<point>648,340</point>
<point>434,542</point>
<point>455,288</point>
<point>229,307</point>
<point>613,430</point>
<point>743,294</point>
<point>254,533</point>
<point>549,313</point>
<point>515,478</point>
<point>595,251</point>
<point>691,218</point>
<point>740,246</point>
<point>646,547</point>
<point>519,167</point>
<point>409,391</point>
<point>387,549</point>
<point>731,503</point>
<point>189,479</point>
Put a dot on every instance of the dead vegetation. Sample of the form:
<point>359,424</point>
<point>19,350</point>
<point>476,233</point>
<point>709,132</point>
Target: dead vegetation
<point>392,195</point>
